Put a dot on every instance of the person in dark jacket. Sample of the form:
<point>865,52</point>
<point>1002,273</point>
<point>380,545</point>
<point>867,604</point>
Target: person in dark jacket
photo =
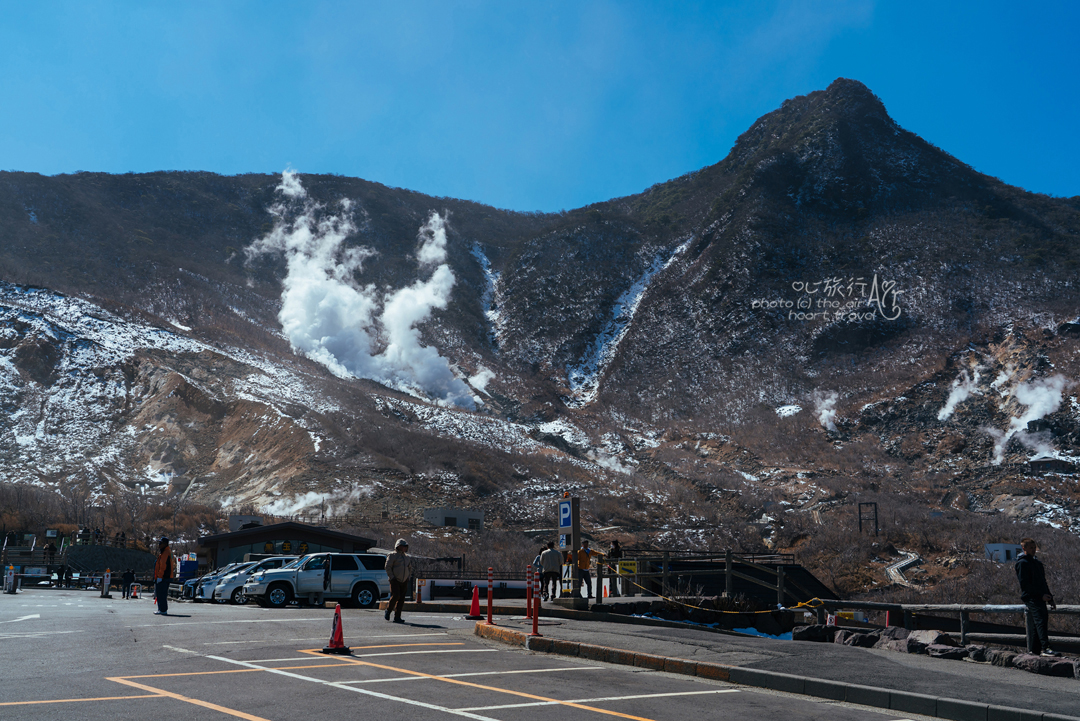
<point>1036,595</point>
<point>127,580</point>
<point>164,570</point>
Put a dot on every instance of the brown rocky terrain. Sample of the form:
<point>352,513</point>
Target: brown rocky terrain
<point>736,357</point>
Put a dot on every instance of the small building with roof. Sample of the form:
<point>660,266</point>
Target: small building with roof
<point>288,538</point>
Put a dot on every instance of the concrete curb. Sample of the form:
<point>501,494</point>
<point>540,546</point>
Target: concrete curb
<point>429,607</point>
<point>904,701</point>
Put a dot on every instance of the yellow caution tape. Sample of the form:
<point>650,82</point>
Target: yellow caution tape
<point>812,603</point>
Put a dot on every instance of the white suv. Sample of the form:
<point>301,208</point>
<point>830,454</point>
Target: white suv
<point>323,576</point>
<point>231,587</point>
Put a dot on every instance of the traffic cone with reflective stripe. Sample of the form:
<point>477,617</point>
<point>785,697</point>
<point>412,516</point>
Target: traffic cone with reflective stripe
<point>474,610</point>
<point>337,638</point>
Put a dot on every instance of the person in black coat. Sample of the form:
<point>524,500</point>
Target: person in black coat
<point>128,579</point>
<point>1036,595</point>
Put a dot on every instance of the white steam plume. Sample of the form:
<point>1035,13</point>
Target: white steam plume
<point>328,504</point>
<point>334,320</point>
<point>1042,397</point>
<point>962,388</point>
<point>481,379</point>
<point>825,408</point>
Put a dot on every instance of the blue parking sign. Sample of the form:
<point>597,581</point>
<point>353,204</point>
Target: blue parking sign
<point>564,514</point>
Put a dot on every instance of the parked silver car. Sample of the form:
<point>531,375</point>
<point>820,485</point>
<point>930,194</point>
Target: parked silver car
<point>203,588</point>
<point>231,587</point>
<point>319,577</point>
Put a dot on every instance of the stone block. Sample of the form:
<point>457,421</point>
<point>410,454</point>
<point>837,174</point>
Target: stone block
<point>867,695</point>
<point>978,653</point>
<point>930,638</point>
<point>951,652</point>
<point>713,671</point>
<point>831,690</point>
<point>895,632</point>
<point>861,640</point>
<point>565,648</point>
<point>648,660</point>
<point>621,656</point>
<point>1001,657</point>
<point>1044,666</point>
<point>539,644</point>
<point>957,710</point>
<point>594,653</point>
<point>816,632</point>
<point>913,703</point>
<point>893,644</point>
<point>678,665</point>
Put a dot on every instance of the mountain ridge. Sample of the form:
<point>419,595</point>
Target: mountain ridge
<point>636,349</point>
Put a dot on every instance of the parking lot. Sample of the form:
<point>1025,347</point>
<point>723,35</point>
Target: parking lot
<point>69,654</point>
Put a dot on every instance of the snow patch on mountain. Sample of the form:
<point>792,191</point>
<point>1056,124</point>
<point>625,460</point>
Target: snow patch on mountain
<point>584,377</point>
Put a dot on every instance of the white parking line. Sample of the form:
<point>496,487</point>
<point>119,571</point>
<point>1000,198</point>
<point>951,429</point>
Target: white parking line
<point>369,655</point>
<point>256,620</point>
<point>476,673</point>
<point>321,638</point>
<point>596,700</point>
<point>366,692</point>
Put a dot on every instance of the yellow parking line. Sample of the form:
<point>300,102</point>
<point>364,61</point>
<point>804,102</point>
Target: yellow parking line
<point>79,700</point>
<point>191,673</point>
<point>188,699</point>
<point>458,682</point>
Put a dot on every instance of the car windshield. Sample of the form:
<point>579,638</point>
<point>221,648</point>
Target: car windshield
<point>291,563</point>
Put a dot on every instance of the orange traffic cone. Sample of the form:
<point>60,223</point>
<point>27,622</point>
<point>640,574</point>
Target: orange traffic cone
<point>134,591</point>
<point>605,592</point>
<point>474,610</point>
<point>337,638</point>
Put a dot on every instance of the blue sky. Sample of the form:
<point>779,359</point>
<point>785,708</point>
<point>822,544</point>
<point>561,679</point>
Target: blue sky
<point>530,105</point>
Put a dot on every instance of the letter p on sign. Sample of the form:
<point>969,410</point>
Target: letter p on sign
<point>564,514</point>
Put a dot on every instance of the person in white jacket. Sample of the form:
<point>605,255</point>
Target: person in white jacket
<point>399,569</point>
<point>551,566</point>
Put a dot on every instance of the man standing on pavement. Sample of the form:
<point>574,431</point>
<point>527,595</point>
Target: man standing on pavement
<point>551,567</point>
<point>615,555</point>
<point>164,570</point>
<point>126,581</point>
<point>399,569</point>
<point>584,560</point>
<point>1036,595</point>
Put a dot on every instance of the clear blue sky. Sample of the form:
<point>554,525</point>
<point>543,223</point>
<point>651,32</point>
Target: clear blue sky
<point>524,105</point>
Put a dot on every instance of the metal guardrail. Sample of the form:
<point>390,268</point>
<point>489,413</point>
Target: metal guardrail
<point>963,609</point>
<point>781,584</point>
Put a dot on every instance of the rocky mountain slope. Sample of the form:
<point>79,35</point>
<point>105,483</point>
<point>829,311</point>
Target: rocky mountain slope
<point>838,310</point>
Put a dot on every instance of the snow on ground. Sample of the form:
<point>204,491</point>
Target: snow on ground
<point>584,378</point>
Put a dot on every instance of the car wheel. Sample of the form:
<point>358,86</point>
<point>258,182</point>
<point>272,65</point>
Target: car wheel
<point>365,596</point>
<point>239,598</point>
<point>279,596</point>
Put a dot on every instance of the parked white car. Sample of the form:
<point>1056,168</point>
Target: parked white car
<point>203,588</point>
<point>318,577</point>
<point>231,587</point>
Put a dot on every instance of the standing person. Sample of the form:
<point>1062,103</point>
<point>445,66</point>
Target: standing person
<point>584,564</point>
<point>551,565</point>
<point>164,570</point>
<point>68,576</point>
<point>127,580</point>
<point>1036,595</point>
<point>615,554</point>
<point>398,568</point>
<point>50,553</point>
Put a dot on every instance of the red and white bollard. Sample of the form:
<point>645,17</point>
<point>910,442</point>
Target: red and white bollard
<point>536,604</point>
<point>491,592</point>
<point>528,590</point>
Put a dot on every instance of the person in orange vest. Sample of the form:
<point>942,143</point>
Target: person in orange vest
<point>584,564</point>
<point>164,570</point>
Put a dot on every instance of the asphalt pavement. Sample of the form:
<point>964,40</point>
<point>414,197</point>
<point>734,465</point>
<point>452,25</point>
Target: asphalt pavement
<point>68,654</point>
